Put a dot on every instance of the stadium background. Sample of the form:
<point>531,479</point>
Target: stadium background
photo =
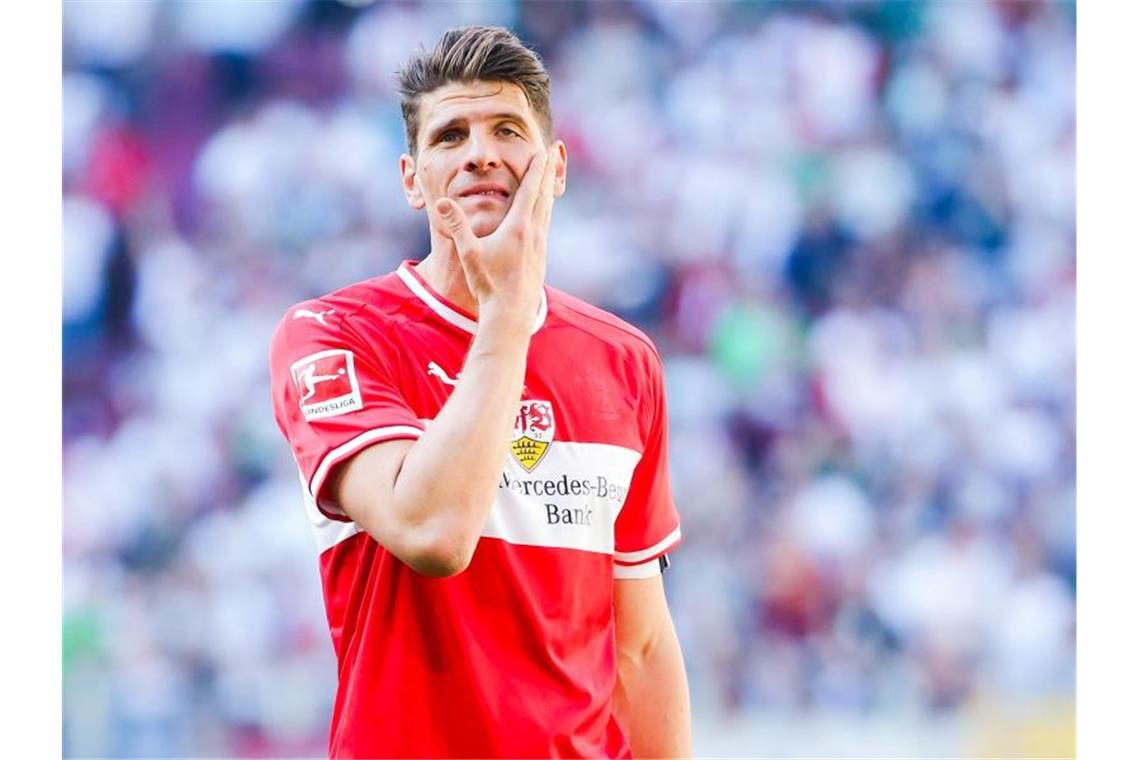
<point>848,226</point>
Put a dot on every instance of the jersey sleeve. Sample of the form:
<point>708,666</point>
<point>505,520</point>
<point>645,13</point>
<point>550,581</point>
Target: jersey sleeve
<point>333,395</point>
<point>648,525</point>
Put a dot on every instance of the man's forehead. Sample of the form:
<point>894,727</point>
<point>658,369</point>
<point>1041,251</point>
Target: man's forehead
<point>456,98</point>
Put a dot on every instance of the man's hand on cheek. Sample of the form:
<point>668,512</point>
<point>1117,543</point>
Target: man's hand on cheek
<point>505,269</point>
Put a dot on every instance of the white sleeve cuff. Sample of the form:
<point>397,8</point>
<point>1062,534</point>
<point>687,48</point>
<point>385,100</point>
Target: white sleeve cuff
<point>656,549</point>
<point>655,566</point>
<point>346,450</point>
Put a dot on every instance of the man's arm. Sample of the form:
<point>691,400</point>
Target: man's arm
<point>427,501</point>
<point>652,696</point>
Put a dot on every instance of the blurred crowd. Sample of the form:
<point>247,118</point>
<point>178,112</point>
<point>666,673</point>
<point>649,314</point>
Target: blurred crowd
<point>848,226</point>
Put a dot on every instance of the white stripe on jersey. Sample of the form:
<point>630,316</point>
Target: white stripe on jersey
<point>655,549</point>
<point>634,572</point>
<point>327,532</point>
<point>569,501</point>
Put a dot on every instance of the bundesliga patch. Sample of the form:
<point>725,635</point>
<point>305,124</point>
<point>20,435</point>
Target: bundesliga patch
<point>326,384</point>
<point>534,430</point>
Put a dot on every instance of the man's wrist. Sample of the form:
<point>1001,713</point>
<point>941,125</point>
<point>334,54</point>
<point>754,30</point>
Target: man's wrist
<point>508,318</point>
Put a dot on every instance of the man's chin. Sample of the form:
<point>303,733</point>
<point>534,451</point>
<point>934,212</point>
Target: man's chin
<point>484,226</point>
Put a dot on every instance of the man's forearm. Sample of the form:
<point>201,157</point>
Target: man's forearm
<point>652,699</point>
<point>449,478</point>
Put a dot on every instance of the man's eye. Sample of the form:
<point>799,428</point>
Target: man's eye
<point>450,135</point>
<point>508,131</point>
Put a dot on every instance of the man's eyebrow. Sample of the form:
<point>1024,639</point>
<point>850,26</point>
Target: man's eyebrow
<point>450,123</point>
<point>508,116</point>
<point>459,121</point>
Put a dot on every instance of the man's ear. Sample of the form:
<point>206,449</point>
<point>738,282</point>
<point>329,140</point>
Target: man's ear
<point>560,169</point>
<point>408,179</point>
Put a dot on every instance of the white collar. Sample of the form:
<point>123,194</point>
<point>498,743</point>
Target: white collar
<point>450,313</point>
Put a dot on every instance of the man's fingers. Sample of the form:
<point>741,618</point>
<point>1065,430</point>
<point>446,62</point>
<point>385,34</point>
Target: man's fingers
<point>545,200</point>
<point>455,224</point>
<point>527,194</point>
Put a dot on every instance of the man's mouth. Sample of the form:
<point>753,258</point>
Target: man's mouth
<point>487,190</point>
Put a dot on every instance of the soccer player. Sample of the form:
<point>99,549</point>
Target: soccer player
<point>484,458</point>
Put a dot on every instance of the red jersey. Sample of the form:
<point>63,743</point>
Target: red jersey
<point>515,656</point>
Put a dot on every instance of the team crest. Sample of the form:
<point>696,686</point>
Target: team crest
<point>534,430</point>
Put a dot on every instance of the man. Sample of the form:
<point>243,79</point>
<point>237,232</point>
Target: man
<point>484,458</point>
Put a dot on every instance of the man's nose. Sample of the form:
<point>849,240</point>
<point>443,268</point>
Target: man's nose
<point>481,153</point>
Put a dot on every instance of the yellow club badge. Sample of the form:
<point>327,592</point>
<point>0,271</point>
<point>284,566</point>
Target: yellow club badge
<point>534,430</point>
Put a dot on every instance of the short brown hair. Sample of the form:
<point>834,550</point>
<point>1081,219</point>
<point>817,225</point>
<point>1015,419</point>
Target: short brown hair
<point>469,54</point>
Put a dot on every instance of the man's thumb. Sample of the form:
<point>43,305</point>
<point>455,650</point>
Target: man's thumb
<point>450,213</point>
<point>453,217</point>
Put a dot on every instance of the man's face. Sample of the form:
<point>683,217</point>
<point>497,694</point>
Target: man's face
<point>474,144</point>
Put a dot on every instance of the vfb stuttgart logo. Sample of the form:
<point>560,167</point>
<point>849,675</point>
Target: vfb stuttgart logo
<point>534,430</point>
